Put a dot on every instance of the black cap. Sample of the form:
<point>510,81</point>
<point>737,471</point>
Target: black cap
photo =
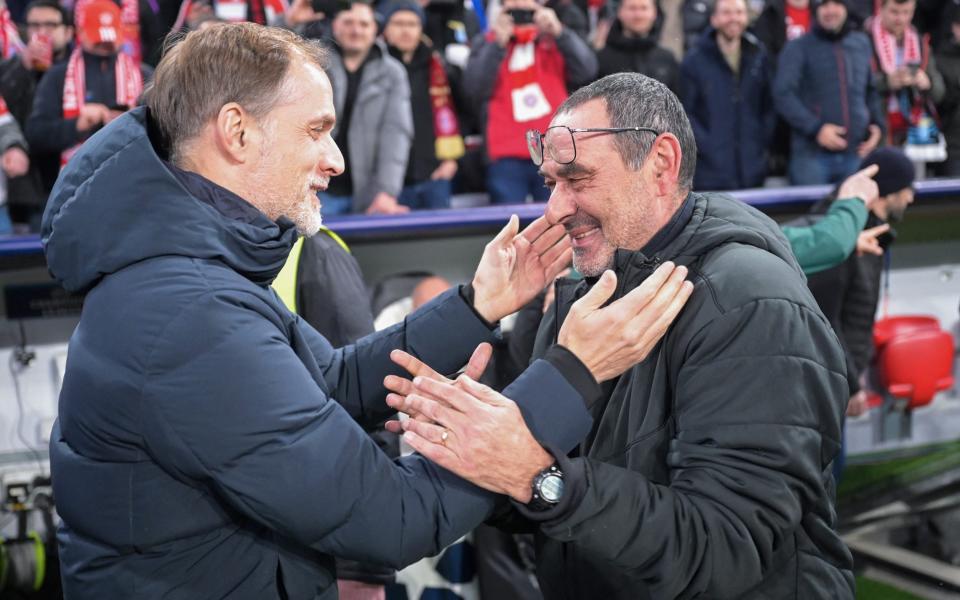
<point>895,172</point>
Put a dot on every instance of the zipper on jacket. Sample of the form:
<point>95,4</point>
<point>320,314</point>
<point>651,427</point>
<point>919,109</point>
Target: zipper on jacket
<point>842,71</point>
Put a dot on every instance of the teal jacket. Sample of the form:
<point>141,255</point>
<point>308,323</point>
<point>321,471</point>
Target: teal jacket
<point>829,241</point>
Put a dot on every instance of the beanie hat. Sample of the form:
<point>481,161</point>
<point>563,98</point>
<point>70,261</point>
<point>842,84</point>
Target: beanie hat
<point>895,171</point>
<point>399,5</point>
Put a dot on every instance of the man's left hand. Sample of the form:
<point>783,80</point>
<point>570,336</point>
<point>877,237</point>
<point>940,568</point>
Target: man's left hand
<point>385,204</point>
<point>15,162</point>
<point>515,267</point>
<point>547,22</point>
<point>476,433</point>
<point>922,81</point>
<point>873,139</point>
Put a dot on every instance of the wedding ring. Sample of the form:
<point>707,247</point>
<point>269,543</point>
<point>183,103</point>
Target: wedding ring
<point>444,436</point>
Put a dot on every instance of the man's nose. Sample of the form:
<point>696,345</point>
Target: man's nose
<point>560,206</point>
<point>331,160</point>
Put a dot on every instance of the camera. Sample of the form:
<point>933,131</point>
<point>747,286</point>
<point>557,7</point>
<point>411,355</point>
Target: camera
<point>521,17</point>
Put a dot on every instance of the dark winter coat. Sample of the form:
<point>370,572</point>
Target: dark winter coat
<point>732,115</point>
<point>948,62</point>
<point>199,451</point>
<point>708,471</point>
<point>823,80</point>
<point>638,55</point>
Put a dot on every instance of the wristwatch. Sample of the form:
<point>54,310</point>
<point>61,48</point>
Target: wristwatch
<point>547,489</point>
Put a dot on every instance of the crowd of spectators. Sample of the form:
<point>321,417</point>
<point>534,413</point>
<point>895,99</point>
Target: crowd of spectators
<point>434,97</point>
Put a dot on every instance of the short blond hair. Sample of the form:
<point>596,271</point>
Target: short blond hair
<point>202,71</point>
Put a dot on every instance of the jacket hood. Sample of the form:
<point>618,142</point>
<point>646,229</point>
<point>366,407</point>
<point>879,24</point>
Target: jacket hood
<point>717,220</point>
<point>116,203</point>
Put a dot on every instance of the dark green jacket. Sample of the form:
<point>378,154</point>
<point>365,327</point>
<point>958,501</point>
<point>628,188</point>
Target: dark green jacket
<point>828,241</point>
<point>707,473</point>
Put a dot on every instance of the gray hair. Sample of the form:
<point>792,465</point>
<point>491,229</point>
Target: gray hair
<point>635,100</point>
<point>204,70</point>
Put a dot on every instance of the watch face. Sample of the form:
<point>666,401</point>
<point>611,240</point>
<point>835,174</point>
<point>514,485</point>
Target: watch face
<point>551,488</point>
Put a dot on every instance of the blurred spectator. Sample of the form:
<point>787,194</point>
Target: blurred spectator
<point>10,42</point>
<point>264,12</point>
<point>726,93</point>
<point>521,71</point>
<point>631,45</point>
<point>824,89</point>
<point>907,74</point>
<point>783,21</point>
<point>49,30</point>
<point>94,86</point>
<point>13,161</point>
<point>848,294</point>
<point>437,143</point>
<point>374,123</point>
<point>948,61</point>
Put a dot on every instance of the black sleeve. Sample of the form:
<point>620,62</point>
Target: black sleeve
<point>47,130</point>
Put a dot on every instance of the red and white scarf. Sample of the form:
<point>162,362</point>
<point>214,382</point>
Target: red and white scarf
<point>885,45</point>
<point>10,42</point>
<point>129,86</point>
<point>529,101</point>
<point>446,128</point>
<point>263,12</point>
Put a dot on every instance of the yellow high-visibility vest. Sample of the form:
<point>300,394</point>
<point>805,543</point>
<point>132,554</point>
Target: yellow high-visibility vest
<point>285,283</point>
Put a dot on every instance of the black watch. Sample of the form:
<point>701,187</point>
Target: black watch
<point>547,488</point>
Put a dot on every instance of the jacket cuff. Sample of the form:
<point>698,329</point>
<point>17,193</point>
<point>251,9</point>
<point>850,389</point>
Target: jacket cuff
<point>575,485</point>
<point>467,293</point>
<point>365,572</point>
<point>575,372</point>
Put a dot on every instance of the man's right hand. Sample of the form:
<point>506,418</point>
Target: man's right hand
<point>611,339</point>
<point>832,137</point>
<point>861,185</point>
<point>91,115</point>
<point>503,29</point>
<point>300,12</point>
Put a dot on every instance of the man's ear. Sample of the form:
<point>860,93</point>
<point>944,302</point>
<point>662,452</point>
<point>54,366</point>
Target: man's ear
<point>667,157</point>
<point>232,132</point>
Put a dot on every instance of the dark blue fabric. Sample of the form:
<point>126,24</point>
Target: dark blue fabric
<point>510,180</point>
<point>430,194</point>
<point>814,75</point>
<point>198,451</point>
<point>732,116</point>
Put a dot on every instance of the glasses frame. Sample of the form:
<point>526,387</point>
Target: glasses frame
<point>534,136</point>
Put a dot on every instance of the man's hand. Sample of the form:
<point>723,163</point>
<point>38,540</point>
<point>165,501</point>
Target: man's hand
<point>600,34</point>
<point>547,22</point>
<point>873,140</point>
<point>358,590</point>
<point>300,12</point>
<point>832,137</point>
<point>400,387</point>
<point>857,404</point>
<point>899,79</point>
<point>921,81</point>
<point>515,267</point>
<point>861,185</point>
<point>610,340</point>
<point>446,170</point>
<point>503,29</point>
<point>91,115</point>
<point>478,434</point>
<point>15,162</point>
<point>385,204</point>
<point>867,242</point>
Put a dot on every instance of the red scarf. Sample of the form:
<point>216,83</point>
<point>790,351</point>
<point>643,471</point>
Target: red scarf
<point>530,85</point>
<point>449,142</point>
<point>885,45</point>
<point>129,86</point>
<point>10,42</point>
<point>257,11</point>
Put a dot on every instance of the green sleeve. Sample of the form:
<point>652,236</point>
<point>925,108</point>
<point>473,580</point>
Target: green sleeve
<point>830,241</point>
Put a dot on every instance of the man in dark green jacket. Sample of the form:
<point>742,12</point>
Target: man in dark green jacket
<point>707,471</point>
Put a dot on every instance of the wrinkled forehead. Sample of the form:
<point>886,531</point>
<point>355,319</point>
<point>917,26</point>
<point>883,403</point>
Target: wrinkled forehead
<point>589,115</point>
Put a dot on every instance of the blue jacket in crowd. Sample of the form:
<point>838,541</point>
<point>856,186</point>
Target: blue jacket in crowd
<point>732,116</point>
<point>208,443</point>
<point>826,78</point>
